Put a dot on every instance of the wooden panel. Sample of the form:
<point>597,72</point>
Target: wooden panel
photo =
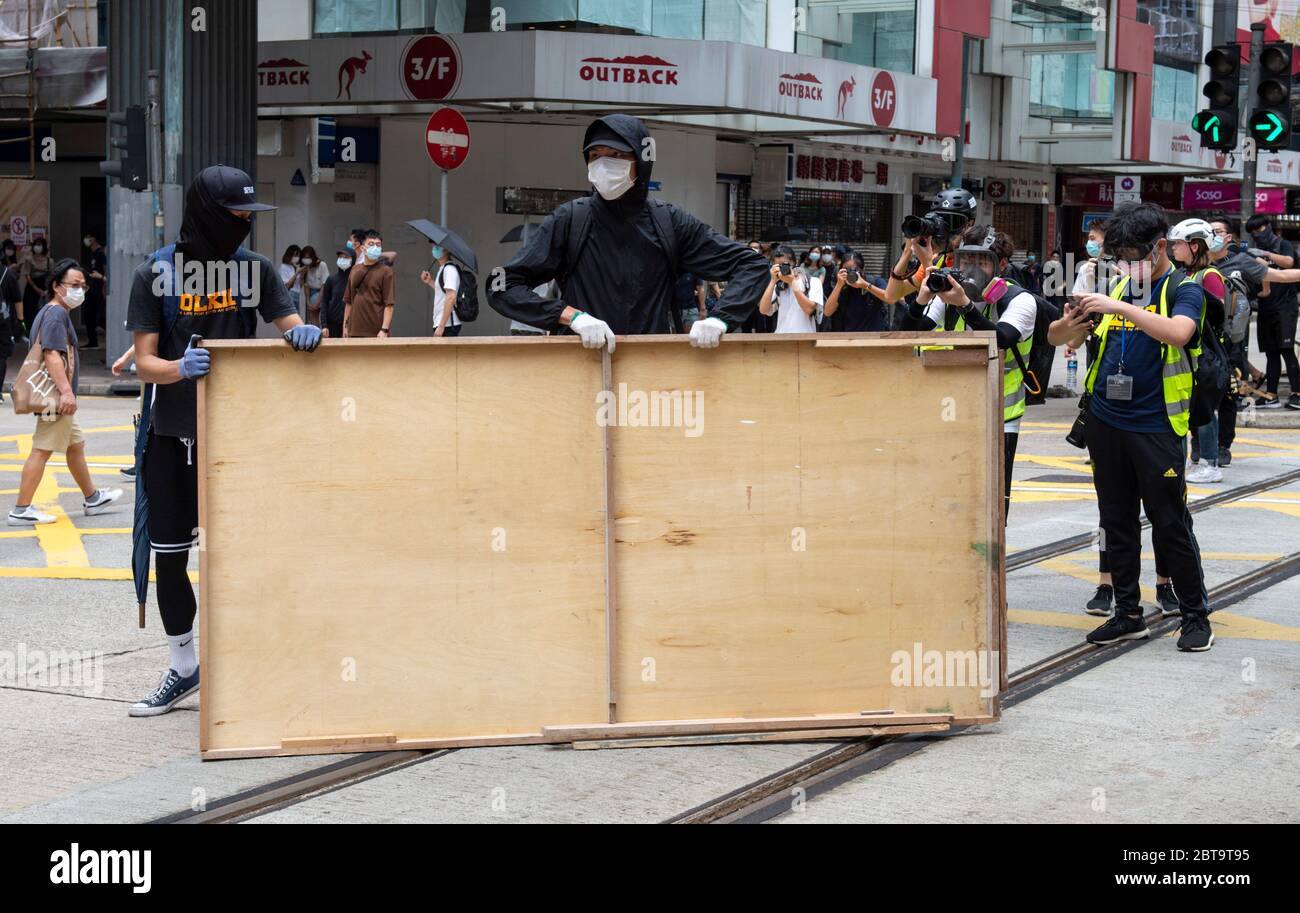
<point>833,508</point>
<point>353,498</point>
<point>809,514</point>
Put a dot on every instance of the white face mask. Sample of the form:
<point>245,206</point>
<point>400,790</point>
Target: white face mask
<point>373,252</point>
<point>345,262</point>
<point>307,261</point>
<point>293,260</point>
<point>74,297</point>
<point>610,176</point>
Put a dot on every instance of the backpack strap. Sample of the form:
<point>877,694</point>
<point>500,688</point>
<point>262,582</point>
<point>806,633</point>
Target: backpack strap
<point>579,228</point>
<point>662,218</point>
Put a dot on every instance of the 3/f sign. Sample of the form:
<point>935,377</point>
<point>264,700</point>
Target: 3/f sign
<point>430,68</point>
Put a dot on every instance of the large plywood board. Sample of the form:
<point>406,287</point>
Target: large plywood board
<point>817,509</point>
<point>400,540</point>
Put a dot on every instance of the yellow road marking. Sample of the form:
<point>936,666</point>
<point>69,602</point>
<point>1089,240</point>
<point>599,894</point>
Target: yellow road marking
<point>77,573</point>
<point>1226,624</point>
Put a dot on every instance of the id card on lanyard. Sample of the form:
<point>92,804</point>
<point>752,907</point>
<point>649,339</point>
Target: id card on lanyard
<point>1119,386</point>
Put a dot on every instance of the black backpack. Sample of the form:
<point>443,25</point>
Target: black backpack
<point>466,294</point>
<point>580,228</point>
<point>1212,371</point>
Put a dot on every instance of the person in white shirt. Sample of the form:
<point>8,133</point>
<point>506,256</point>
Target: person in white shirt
<point>289,271</point>
<point>445,282</point>
<point>796,300</point>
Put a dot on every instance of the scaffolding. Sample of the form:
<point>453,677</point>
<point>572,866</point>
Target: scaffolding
<point>30,26</point>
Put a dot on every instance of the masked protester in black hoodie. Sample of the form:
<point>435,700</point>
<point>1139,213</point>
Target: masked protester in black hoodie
<point>164,315</point>
<point>617,254</point>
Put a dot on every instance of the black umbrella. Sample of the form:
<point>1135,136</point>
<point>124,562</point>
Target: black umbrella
<point>447,238</point>
<point>140,548</point>
<point>782,233</point>
<point>514,234</point>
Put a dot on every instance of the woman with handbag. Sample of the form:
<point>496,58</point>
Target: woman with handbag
<point>47,385</point>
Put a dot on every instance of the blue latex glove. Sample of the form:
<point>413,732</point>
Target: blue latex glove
<point>304,338</point>
<point>196,361</point>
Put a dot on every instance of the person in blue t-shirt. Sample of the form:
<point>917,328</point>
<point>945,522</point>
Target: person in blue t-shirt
<point>1140,389</point>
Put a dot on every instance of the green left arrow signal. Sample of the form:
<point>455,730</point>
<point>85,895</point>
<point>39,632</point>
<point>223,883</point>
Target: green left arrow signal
<point>1206,123</point>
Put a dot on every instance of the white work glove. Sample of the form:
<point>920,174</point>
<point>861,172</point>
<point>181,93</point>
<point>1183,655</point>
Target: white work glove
<point>595,333</point>
<point>707,333</point>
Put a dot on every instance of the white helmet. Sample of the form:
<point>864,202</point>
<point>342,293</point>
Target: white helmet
<point>1188,229</point>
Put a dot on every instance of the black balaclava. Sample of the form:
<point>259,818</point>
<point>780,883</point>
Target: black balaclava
<point>632,131</point>
<point>209,231</point>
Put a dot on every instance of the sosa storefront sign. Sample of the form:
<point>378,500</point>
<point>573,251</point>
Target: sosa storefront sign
<point>1213,195</point>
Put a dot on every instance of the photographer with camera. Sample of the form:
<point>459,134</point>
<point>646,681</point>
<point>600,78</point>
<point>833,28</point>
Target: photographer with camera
<point>927,241</point>
<point>791,295</point>
<point>1137,414</point>
<point>856,302</point>
<point>973,296</point>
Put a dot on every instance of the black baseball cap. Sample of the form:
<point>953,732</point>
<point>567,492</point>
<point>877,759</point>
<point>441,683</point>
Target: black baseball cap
<point>601,134</point>
<point>232,188</point>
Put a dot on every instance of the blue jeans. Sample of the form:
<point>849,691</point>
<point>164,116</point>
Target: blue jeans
<point>1207,436</point>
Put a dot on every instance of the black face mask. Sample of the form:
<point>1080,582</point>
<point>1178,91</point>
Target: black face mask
<point>1264,237</point>
<point>209,231</point>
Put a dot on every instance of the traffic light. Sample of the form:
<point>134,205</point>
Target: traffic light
<point>132,169</point>
<point>1270,119</point>
<point>1218,125</point>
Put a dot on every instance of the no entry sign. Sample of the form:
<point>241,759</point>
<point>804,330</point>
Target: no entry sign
<point>447,139</point>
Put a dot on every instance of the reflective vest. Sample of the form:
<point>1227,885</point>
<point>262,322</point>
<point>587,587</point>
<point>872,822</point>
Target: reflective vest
<point>1178,363</point>
<point>1013,379</point>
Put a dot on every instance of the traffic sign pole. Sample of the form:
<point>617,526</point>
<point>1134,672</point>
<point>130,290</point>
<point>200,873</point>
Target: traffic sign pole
<point>1248,166</point>
<point>442,204</point>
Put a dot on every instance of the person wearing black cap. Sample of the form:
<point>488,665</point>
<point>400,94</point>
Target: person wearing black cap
<point>196,287</point>
<point>616,254</point>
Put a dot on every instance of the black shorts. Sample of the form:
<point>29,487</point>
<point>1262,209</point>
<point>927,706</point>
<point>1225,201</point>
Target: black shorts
<point>1275,330</point>
<point>171,480</point>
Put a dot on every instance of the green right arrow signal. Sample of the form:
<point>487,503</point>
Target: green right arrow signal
<point>1269,123</point>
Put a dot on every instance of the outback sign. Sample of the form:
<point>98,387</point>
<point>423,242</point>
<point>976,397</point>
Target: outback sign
<point>643,69</point>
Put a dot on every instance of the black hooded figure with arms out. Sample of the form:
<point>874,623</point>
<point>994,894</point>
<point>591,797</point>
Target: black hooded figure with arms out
<point>612,260</point>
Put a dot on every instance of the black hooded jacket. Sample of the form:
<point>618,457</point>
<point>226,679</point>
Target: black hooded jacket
<point>623,275</point>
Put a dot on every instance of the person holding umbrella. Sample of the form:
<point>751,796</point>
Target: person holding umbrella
<point>445,282</point>
<point>617,253</point>
<point>169,316</point>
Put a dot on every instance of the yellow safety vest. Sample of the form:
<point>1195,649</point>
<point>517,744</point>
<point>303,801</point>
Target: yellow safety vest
<point>1013,379</point>
<point>1179,364</point>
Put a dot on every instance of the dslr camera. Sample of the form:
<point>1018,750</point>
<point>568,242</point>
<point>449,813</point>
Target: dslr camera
<point>926,226</point>
<point>937,281</point>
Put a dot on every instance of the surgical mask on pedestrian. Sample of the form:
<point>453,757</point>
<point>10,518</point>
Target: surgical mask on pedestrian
<point>294,260</point>
<point>1217,243</point>
<point>437,253</point>
<point>1139,271</point>
<point>344,262</point>
<point>74,297</point>
<point>1093,248</point>
<point>610,176</point>
<point>814,257</point>
<point>86,241</point>
<point>38,248</point>
<point>351,246</point>
<point>373,252</point>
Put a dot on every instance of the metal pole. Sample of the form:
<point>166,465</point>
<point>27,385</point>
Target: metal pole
<point>965,103</point>
<point>155,156</point>
<point>1252,85</point>
<point>442,202</point>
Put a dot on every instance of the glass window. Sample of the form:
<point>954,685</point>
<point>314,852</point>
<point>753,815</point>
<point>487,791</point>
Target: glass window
<point>355,16</point>
<point>1174,94</point>
<point>1070,86</point>
<point>872,33</point>
<point>1177,30</point>
<point>1055,21</point>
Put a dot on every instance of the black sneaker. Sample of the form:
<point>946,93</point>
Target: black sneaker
<point>1293,402</point>
<point>1120,627</point>
<point>1103,603</point>
<point>128,472</point>
<point>1196,636</point>
<point>1196,455</point>
<point>1168,601</point>
<point>1225,457</point>
<point>1271,402</point>
<point>171,690</point>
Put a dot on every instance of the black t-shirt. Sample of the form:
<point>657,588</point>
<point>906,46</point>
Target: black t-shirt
<point>215,316</point>
<point>332,305</point>
<point>1283,294</point>
<point>9,294</point>
<point>860,311</point>
<point>98,264</point>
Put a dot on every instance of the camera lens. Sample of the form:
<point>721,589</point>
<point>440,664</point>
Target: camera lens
<point>913,227</point>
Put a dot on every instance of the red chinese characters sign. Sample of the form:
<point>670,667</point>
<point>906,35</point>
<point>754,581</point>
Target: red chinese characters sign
<point>831,169</point>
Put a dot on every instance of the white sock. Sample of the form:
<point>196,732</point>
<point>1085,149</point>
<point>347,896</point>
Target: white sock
<point>183,658</point>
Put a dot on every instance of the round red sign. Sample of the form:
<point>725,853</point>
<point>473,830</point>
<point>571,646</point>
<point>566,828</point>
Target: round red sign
<point>430,68</point>
<point>447,139</point>
<point>884,99</point>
